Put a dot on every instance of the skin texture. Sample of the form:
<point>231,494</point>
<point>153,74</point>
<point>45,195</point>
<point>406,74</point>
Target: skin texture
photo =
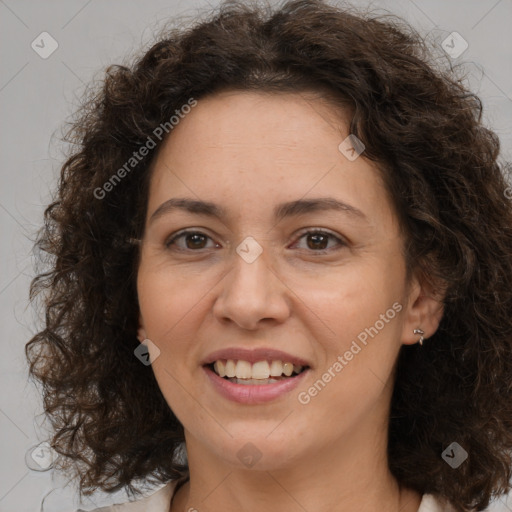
<point>247,152</point>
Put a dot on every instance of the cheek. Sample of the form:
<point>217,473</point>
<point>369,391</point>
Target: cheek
<point>169,307</point>
<point>168,301</point>
<point>352,299</point>
<point>360,312</point>
<point>359,336</point>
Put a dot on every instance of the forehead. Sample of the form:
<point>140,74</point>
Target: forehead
<point>264,117</point>
<point>238,146</point>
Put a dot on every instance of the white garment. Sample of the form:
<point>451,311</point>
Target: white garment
<point>160,501</point>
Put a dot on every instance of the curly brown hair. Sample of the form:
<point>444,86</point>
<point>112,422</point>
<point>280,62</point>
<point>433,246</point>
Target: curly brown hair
<point>421,126</point>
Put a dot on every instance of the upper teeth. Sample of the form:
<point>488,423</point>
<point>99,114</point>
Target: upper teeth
<point>259,370</point>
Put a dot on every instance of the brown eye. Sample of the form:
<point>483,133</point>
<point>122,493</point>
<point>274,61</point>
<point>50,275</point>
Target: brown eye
<point>318,241</point>
<point>190,240</point>
<point>195,241</point>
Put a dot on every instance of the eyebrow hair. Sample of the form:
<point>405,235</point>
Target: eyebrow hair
<point>189,205</point>
<point>302,206</point>
<point>289,209</point>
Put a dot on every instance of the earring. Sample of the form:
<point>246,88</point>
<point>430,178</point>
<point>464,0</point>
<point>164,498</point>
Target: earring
<point>421,333</point>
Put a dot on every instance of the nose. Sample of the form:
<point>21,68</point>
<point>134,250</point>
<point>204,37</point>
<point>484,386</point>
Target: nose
<point>252,294</point>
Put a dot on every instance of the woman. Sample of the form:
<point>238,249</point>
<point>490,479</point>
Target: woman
<point>283,249</point>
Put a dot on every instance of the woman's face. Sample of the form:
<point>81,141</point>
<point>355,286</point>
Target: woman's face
<point>248,280</point>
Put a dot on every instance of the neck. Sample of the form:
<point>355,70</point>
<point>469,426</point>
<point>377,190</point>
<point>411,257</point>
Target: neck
<point>346,476</point>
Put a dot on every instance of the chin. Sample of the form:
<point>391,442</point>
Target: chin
<point>258,452</point>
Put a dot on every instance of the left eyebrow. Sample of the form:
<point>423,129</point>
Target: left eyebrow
<point>289,209</point>
<point>303,206</point>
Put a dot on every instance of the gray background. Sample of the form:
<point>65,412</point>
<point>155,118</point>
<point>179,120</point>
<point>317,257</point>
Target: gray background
<point>37,96</point>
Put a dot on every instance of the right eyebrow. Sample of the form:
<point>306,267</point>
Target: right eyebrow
<point>190,205</point>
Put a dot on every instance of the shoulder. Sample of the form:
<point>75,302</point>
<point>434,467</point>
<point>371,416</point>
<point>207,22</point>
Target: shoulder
<point>158,501</point>
<point>431,503</point>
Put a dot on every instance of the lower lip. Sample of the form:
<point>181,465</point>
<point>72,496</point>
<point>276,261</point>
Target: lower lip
<point>253,393</point>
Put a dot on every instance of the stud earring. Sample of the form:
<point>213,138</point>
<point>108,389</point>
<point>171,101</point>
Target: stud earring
<point>421,333</point>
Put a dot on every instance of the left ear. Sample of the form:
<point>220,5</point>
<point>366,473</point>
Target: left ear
<point>424,310</point>
<point>141,331</point>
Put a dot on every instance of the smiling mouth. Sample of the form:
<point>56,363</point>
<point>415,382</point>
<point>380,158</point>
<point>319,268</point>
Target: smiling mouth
<point>261,372</point>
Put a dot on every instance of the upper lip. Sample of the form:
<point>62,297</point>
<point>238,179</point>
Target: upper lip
<point>254,355</point>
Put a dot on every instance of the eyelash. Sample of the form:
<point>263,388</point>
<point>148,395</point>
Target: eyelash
<point>184,233</point>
